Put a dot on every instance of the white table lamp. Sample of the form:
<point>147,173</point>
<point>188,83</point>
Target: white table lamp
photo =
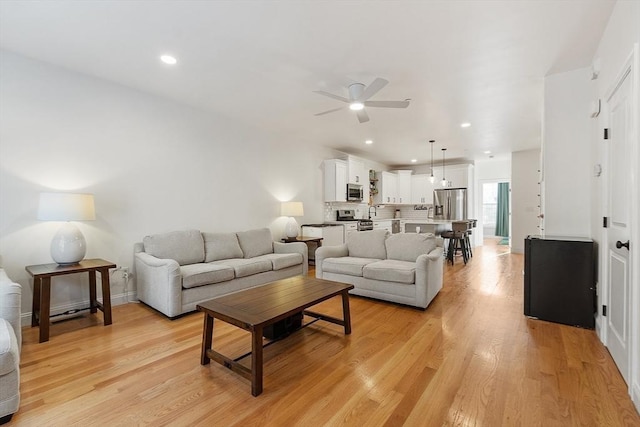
<point>68,246</point>
<point>292,209</point>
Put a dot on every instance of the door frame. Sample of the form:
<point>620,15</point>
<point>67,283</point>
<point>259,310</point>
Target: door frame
<point>630,69</point>
<point>480,212</point>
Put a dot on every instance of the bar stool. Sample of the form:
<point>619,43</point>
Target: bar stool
<point>472,225</point>
<point>457,241</point>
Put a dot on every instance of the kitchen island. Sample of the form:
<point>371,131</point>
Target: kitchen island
<point>426,226</point>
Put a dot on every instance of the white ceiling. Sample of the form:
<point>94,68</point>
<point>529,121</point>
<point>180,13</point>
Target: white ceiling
<point>260,61</point>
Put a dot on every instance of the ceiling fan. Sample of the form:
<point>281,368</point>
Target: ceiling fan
<point>359,98</point>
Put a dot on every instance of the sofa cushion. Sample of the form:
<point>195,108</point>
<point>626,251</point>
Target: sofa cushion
<point>256,242</point>
<point>409,246</point>
<point>391,270</point>
<point>351,266</point>
<point>9,353</point>
<point>185,247</point>
<point>195,275</point>
<point>247,267</point>
<point>282,261</point>
<point>221,246</point>
<point>367,244</point>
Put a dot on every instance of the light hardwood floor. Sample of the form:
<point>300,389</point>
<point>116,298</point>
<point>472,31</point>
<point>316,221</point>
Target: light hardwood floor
<point>470,359</point>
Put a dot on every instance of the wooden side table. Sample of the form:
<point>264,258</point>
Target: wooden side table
<point>42,274</point>
<point>307,240</point>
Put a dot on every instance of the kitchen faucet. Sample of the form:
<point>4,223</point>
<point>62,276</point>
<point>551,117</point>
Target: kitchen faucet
<point>375,212</point>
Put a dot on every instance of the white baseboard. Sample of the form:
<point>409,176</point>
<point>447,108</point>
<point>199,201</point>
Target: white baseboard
<point>119,299</point>
<point>635,396</point>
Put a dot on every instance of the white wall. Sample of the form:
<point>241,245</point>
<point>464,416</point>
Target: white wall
<point>567,161</point>
<point>524,197</point>
<point>617,43</point>
<point>153,165</point>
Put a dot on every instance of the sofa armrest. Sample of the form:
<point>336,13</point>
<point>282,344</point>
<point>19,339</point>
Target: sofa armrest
<point>159,283</point>
<point>294,248</point>
<point>10,302</point>
<point>429,276</point>
<point>324,252</point>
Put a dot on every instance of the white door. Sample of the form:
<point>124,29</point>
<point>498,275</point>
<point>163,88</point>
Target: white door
<point>619,229</point>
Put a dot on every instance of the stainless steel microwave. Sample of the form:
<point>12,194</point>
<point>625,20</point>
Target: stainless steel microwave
<point>354,193</point>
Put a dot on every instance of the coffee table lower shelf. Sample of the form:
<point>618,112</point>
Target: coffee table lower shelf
<point>256,308</point>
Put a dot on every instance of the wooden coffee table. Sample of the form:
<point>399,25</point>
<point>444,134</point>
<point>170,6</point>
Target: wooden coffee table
<point>254,309</point>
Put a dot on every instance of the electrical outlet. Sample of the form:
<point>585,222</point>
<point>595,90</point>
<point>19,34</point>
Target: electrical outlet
<point>125,272</point>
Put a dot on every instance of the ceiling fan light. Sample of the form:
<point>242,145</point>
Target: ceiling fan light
<point>356,106</point>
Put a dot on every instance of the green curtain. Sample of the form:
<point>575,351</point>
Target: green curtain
<point>502,214</point>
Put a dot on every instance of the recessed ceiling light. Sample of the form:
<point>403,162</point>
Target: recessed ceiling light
<point>368,142</point>
<point>414,160</point>
<point>487,152</point>
<point>465,125</point>
<point>356,106</point>
<point>168,59</point>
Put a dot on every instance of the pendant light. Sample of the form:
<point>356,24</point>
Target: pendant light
<point>444,181</point>
<point>432,178</point>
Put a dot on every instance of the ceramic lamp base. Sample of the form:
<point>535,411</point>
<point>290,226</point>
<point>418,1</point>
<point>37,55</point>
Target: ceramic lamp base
<point>291,229</point>
<point>68,246</point>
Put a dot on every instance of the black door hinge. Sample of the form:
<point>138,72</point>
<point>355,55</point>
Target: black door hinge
<point>604,310</point>
<point>606,133</point>
<point>605,222</point>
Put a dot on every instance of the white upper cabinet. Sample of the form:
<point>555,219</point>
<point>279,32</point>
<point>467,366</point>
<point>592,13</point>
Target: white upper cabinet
<point>404,187</point>
<point>457,176</point>
<point>335,180</point>
<point>387,188</point>
<point>357,172</point>
<point>421,190</point>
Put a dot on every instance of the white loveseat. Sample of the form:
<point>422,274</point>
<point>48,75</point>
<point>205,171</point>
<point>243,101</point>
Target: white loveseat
<point>10,345</point>
<point>405,268</point>
<point>176,271</point>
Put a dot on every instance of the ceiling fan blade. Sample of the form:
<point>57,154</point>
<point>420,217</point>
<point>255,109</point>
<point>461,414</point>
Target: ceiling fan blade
<point>373,88</point>
<point>328,111</point>
<point>330,95</point>
<point>362,116</point>
<point>387,104</point>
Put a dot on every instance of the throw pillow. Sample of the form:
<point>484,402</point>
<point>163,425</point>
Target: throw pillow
<point>255,242</point>
<point>408,246</point>
<point>185,247</point>
<point>219,246</point>
<point>367,244</point>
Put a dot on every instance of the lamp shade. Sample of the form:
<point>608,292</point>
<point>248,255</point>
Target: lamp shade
<point>292,209</point>
<point>68,245</point>
<point>66,207</point>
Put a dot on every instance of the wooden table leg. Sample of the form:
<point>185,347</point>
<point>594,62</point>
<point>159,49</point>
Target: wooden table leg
<point>106,296</point>
<point>256,361</point>
<point>35,302</point>
<point>93,297</point>
<point>346,313</point>
<point>207,339</point>
<point>45,308</point>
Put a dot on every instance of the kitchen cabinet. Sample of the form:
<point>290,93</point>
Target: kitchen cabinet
<point>387,188</point>
<point>349,227</point>
<point>335,180</point>
<point>356,171</point>
<point>457,176</point>
<point>382,225</point>
<point>403,187</point>
<point>421,189</point>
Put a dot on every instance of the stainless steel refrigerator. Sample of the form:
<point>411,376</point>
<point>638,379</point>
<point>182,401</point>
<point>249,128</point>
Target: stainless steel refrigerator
<point>450,203</point>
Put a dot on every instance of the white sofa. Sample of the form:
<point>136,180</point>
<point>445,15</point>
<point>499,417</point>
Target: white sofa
<point>10,345</point>
<point>405,268</point>
<point>178,270</point>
